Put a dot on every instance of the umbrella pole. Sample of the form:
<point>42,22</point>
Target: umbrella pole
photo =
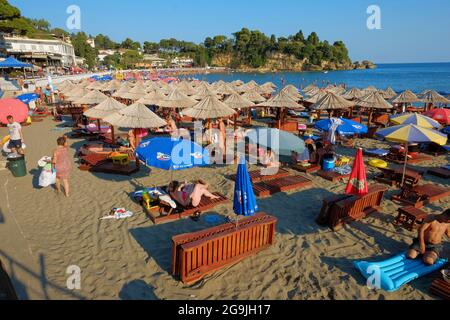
<point>404,166</point>
<point>113,138</point>
<point>136,142</point>
<point>98,125</point>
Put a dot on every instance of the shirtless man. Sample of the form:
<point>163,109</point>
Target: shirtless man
<point>189,194</point>
<point>429,242</point>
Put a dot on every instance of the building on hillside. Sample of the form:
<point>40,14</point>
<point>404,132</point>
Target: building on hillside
<point>102,54</point>
<point>52,55</point>
<point>91,42</point>
<point>154,61</point>
<point>182,62</point>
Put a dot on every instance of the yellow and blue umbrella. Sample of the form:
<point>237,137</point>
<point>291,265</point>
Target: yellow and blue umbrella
<point>417,119</point>
<point>411,133</point>
<point>244,198</point>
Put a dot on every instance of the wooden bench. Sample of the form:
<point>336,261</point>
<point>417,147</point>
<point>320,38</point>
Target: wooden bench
<point>393,177</point>
<point>162,213</point>
<point>340,209</point>
<point>256,175</point>
<point>410,218</point>
<point>306,169</point>
<point>267,188</point>
<point>420,196</point>
<point>332,175</point>
<point>195,255</point>
<point>440,288</point>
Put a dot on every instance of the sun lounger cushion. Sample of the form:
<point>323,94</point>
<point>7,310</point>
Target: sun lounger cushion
<point>397,271</point>
<point>376,152</point>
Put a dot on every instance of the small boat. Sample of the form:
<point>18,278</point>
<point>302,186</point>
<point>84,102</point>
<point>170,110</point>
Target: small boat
<point>325,72</point>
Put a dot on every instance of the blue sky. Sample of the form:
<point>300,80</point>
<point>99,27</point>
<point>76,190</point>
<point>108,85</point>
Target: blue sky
<point>412,30</point>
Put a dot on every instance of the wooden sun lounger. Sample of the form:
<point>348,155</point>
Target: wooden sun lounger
<point>440,288</point>
<point>256,175</point>
<point>417,159</point>
<point>163,213</point>
<point>440,172</point>
<point>195,255</point>
<point>90,160</point>
<point>112,168</point>
<point>332,175</point>
<point>340,209</point>
<point>267,188</point>
<point>306,169</point>
<point>393,177</point>
<point>420,196</point>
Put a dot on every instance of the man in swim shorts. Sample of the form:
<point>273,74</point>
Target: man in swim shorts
<point>15,136</point>
<point>430,240</point>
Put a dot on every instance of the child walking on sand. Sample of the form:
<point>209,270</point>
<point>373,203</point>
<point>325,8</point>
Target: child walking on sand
<point>62,164</point>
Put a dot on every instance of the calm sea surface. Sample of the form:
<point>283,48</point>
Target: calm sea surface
<point>416,77</point>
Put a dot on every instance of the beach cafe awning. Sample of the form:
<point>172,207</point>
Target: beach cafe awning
<point>12,62</point>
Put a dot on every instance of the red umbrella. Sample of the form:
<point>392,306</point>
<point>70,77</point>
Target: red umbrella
<point>441,115</point>
<point>15,108</point>
<point>357,185</point>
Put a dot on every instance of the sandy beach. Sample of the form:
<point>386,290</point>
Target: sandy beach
<point>43,233</point>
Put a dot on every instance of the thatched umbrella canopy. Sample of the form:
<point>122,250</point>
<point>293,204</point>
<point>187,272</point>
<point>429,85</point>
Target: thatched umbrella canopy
<point>152,98</point>
<point>177,99</point>
<point>370,89</point>
<point>186,88</point>
<point>373,100</point>
<point>124,88</point>
<point>331,101</point>
<point>76,94</point>
<point>281,100</point>
<point>209,108</point>
<point>352,94</point>
<point>336,90</point>
<point>104,109</point>
<point>406,97</point>
<point>94,85</point>
<point>292,92</point>
<point>137,92</point>
<point>68,86</point>
<point>236,101</point>
<point>313,91</point>
<point>254,96</point>
<point>135,116</point>
<point>112,85</point>
<point>388,94</point>
<point>224,89</point>
<point>93,97</point>
<point>317,96</point>
<point>431,96</point>
<point>237,83</point>
<point>309,87</point>
<point>269,84</point>
<point>265,89</point>
<point>203,92</point>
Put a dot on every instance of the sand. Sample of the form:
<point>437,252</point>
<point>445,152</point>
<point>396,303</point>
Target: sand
<point>42,234</point>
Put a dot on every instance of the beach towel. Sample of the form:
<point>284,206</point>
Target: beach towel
<point>391,274</point>
<point>376,152</point>
<point>118,213</point>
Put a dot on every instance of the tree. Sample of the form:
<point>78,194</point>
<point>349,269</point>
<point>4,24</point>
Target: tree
<point>60,32</point>
<point>130,44</point>
<point>313,39</point>
<point>130,58</point>
<point>11,20</point>
<point>40,24</point>
<point>83,49</point>
<point>151,47</point>
<point>104,42</point>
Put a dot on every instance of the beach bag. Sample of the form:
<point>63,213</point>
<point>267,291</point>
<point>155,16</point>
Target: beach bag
<point>47,178</point>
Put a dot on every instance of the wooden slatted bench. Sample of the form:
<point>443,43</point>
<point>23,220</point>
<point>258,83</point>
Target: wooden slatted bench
<point>440,288</point>
<point>422,195</point>
<point>343,208</point>
<point>197,254</point>
<point>256,175</point>
<point>440,172</point>
<point>267,188</point>
<point>332,175</point>
<point>164,213</point>
<point>306,169</point>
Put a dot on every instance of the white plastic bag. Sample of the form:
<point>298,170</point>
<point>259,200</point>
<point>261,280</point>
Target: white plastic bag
<point>47,178</point>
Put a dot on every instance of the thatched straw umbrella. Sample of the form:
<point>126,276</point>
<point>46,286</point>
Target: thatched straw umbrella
<point>135,93</point>
<point>352,94</point>
<point>136,116</point>
<point>292,92</point>
<point>236,101</point>
<point>153,98</point>
<point>92,97</point>
<point>373,100</point>
<point>76,94</point>
<point>316,97</point>
<point>330,102</point>
<point>406,98</point>
<point>313,91</point>
<point>209,108</point>
<point>309,87</point>
<point>112,85</point>
<point>186,88</point>
<point>431,97</point>
<point>388,94</point>
<point>177,99</point>
<point>203,92</point>
<point>370,89</point>
<point>254,96</point>
<point>224,89</point>
<point>237,83</point>
<point>282,101</point>
<point>103,110</point>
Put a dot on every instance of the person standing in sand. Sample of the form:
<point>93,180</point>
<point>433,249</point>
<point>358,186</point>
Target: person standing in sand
<point>15,136</point>
<point>62,164</point>
<point>429,241</point>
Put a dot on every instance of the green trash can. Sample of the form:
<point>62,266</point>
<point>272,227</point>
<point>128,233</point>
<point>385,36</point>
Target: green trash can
<point>16,163</point>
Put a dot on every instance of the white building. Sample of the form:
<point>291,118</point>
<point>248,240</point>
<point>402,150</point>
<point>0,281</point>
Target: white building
<point>91,42</point>
<point>182,62</point>
<point>50,54</point>
<point>102,54</point>
<point>153,61</point>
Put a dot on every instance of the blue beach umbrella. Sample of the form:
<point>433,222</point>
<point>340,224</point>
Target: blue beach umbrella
<point>281,142</point>
<point>172,154</point>
<point>28,97</point>
<point>348,127</point>
<point>244,198</point>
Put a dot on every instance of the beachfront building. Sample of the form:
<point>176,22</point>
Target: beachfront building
<point>102,54</point>
<point>182,62</point>
<point>153,61</point>
<point>53,55</point>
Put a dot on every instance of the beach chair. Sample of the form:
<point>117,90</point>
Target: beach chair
<point>270,187</point>
<point>441,288</point>
<point>340,209</point>
<point>332,176</point>
<point>410,218</point>
<point>162,212</point>
<point>195,255</point>
<point>443,172</point>
<point>258,176</point>
<point>393,177</point>
<point>422,195</point>
<point>308,168</point>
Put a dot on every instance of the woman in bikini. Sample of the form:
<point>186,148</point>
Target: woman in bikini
<point>189,194</point>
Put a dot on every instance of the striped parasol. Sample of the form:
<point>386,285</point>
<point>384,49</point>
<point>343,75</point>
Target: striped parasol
<point>417,119</point>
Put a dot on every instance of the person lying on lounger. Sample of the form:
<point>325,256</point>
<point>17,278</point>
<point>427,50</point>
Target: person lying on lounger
<point>429,242</point>
<point>189,194</point>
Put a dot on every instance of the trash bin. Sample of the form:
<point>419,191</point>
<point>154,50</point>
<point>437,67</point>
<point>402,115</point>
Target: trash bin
<point>329,162</point>
<point>16,163</point>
